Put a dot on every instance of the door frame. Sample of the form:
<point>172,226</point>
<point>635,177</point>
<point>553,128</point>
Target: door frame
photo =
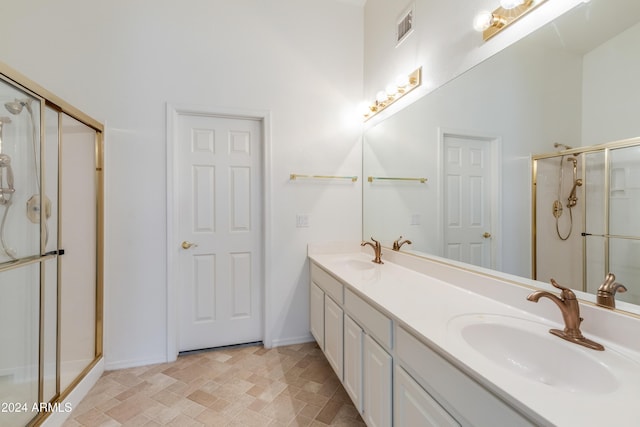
<point>495,147</point>
<point>173,111</point>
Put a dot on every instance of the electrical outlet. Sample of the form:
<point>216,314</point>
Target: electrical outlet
<point>415,219</point>
<point>302,221</point>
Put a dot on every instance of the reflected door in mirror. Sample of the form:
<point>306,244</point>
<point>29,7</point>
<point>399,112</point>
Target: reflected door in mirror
<point>467,194</point>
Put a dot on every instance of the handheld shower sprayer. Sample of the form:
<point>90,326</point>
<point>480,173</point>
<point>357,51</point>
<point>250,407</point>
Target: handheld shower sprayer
<point>6,180</point>
<point>573,199</point>
<point>7,189</point>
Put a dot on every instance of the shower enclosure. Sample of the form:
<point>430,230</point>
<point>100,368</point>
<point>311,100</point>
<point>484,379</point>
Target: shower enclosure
<point>586,205</point>
<point>50,251</point>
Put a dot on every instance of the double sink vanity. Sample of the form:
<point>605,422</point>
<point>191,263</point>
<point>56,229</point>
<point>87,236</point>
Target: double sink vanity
<point>422,342</point>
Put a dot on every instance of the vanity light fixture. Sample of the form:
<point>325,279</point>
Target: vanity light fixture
<point>393,92</point>
<point>491,23</point>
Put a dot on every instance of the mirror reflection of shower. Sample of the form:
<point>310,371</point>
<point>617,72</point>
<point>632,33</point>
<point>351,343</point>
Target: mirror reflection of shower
<point>7,184</point>
<point>572,198</point>
<point>7,189</point>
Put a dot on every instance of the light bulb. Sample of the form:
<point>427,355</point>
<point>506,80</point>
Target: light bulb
<point>402,81</point>
<point>482,21</point>
<point>363,109</point>
<point>510,4</point>
<point>381,96</point>
<point>391,90</point>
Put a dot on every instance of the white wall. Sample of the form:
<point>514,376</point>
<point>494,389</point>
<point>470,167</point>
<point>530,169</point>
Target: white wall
<point>611,96</point>
<point>121,61</point>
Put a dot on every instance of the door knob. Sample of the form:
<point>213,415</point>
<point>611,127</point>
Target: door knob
<point>486,235</point>
<point>187,245</point>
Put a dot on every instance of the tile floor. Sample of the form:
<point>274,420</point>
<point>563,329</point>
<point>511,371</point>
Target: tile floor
<point>246,386</point>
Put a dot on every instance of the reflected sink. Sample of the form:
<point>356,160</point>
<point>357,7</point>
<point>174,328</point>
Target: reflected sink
<point>358,264</point>
<point>526,348</point>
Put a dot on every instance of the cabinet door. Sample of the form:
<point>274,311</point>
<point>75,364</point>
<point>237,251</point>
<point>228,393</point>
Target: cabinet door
<point>415,407</point>
<point>376,384</point>
<point>353,361</point>
<point>316,314</point>
<point>333,333</point>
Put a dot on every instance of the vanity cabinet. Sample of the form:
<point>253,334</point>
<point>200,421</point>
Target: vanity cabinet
<point>327,317</point>
<point>464,399</point>
<point>333,334</point>
<point>392,376</point>
<point>356,340</point>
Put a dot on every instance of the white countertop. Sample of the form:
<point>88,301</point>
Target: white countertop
<point>428,307</point>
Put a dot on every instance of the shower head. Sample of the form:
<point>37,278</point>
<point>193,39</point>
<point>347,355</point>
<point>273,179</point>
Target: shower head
<point>5,160</point>
<point>564,146</point>
<point>15,107</point>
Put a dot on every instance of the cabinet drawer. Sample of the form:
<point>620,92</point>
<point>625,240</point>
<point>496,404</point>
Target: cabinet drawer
<point>374,322</point>
<point>415,407</point>
<point>328,284</point>
<point>444,382</point>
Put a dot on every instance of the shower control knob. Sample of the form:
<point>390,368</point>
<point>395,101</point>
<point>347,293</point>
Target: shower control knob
<point>486,235</point>
<point>187,245</point>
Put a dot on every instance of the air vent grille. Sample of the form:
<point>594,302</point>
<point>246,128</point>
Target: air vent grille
<point>405,26</point>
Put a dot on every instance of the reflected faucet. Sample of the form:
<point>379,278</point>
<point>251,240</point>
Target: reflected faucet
<point>397,244</point>
<point>377,250</point>
<point>568,304</point>
<point>607,291</point>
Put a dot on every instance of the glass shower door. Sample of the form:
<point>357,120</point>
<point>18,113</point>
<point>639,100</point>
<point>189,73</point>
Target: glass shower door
<point>21,242</point>
<point>19,336</point>
<point>624,228</point>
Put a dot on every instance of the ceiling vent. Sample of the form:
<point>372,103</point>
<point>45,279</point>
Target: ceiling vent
<point>405,26</point>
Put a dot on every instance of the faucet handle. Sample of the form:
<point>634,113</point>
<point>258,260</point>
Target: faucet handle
<point>611,286</point>
<point>565,293</point>
<point>396,244</point>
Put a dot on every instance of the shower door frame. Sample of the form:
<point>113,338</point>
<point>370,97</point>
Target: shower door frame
<point>53,102</point>
<point>606,149</point>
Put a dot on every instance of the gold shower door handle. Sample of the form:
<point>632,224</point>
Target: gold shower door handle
<point>187,245</point>
<point>486,235</point>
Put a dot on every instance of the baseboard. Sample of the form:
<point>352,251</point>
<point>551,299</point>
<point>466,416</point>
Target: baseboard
<point>73,399</point>
<point>292,340</point>
<point>132,363</point>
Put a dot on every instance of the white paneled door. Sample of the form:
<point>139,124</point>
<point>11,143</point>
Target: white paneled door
<point>468,200</point>
<point>220,228</point>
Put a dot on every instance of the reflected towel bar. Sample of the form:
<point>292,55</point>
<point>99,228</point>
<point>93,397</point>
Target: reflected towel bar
<point>382,178</point>
<point>295,176</point>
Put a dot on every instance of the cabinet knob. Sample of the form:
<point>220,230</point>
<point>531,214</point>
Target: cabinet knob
<point>486,235</point>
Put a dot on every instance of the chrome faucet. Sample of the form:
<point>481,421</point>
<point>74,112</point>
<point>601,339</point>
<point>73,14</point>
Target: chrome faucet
<point>377,250</point>
<point>568,304</point>
<point>397,244</point>
<point>607,291</point>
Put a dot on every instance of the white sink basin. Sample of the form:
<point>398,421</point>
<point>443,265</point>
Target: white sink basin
<point>358,264</point>
<point>526,348</point>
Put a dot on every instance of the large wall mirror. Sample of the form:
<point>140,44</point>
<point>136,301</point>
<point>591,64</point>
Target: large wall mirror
<point>572,83</point>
